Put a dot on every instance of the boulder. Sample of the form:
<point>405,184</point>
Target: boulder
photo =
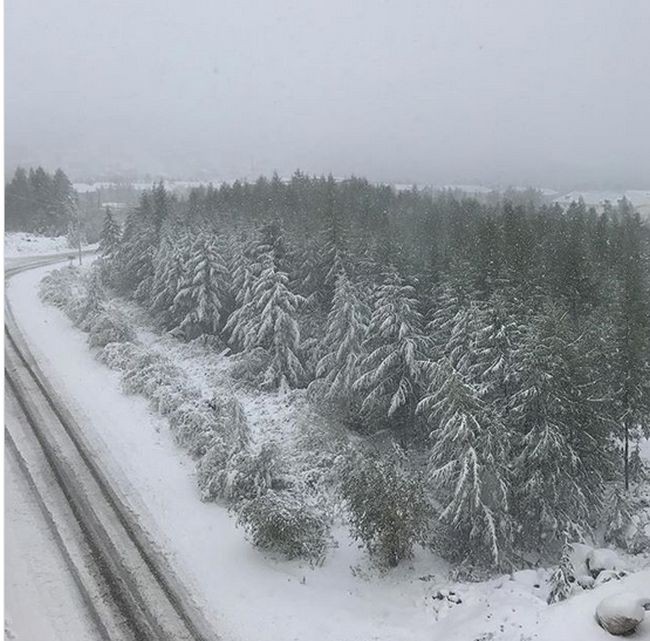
<point>602,559</point>
<point>621,613</point>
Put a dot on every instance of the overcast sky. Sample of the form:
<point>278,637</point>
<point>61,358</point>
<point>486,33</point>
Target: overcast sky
<point>545,92</point>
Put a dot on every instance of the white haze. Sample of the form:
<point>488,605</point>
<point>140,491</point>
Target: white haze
<point>545,92</point>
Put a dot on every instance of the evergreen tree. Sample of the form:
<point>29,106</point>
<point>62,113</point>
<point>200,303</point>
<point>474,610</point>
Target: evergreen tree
<point>564,445</point>
<point>109,242</point>
<point>391,373</point>
<point>468,467</point>
<point>268,320</point>
<point>171,264</point>
<point>563,577</point>
<point>632,365</point>
<point>134,264</point>
<point>204,291</point>
<point>342,343</point>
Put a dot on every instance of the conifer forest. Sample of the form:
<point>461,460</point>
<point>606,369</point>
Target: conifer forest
<point>489,360</point>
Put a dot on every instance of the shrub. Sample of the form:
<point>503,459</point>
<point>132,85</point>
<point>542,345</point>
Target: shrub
<point>249,475</point>
<point>211,471</point>
<point>110,326</point>
<point>195,427</point>
<point>388,509</point>
<point>249,367</point>
<point>148,371</point>
<point>91,303</point>
<point>120,356</point>
<point>56,288</point>
<point>219,472</point>
<point>169,397</point>
<point>284,522</point>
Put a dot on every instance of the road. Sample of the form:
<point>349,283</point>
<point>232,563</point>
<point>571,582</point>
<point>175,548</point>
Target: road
<point>112,583</point>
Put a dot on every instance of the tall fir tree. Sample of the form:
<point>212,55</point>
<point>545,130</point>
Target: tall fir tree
<point>267,319</point>
<point>390,379</point>
<point>342,345</point>
<point>109,241</point>
<point>468,467</point>
<point>204,292</point>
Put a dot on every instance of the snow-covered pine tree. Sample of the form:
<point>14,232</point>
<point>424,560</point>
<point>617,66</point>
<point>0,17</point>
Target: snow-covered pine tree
<point>468,467</point>
<point>204,292</point>
<point>134,262</point>
<point>563,576</point>
<point>449,299</point>
<point>390,379</point>
<point>563,450</point>
<point>334,256</point>
<point>170,271</point>
<point>492,369</point>
<point>308,276</point>
<point>632,337</point>
<point>109,241</point>
<point>267,320</point>
<point>619,515</point>
<point>342,344</point>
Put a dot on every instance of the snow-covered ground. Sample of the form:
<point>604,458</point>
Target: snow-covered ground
<point>24,244</point>
<point>250,596</point>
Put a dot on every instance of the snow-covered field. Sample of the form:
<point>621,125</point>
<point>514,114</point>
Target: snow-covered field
<point>24,244</point>
<point>250,596</point>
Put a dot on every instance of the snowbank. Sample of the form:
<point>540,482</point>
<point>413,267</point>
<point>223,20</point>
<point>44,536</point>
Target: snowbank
<point>24,244</point>
<point>251,597</point>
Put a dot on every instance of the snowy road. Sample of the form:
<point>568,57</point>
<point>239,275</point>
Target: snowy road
<point>116,572</point>
<point>42,600</point>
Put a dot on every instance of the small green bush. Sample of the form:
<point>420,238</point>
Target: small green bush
<point>282,521</point>
<point>387,507</point>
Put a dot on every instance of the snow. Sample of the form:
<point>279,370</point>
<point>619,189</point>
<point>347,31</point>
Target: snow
<point>620,612</point>
<point>42,600</point>
<point>250,596</point>
<point>638,197</point>
<point>25,244</point>
<point>603,559</point>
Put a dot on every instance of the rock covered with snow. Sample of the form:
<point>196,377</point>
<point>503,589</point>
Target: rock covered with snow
<point>621,613</point>
<point>600,559</point>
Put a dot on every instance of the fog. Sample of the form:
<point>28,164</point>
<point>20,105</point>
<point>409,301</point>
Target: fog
<point>551,93</point>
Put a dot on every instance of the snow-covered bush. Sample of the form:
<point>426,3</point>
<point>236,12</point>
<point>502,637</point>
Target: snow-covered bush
<point>249,367</point>
<point>120,356</point>
<point>56,288</point>
<point>195,427</point>
<point>169,396</point>
<point>388,510</point>
<point>110,326</point>
<point>249,475</point>
<point>92,302</point>
<point>285,522</point>
<point>228,456</point>
<point>211,471</point>
<point>147,373</point>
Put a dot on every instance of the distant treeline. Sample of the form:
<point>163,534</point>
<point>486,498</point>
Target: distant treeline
<point>39,202</point>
